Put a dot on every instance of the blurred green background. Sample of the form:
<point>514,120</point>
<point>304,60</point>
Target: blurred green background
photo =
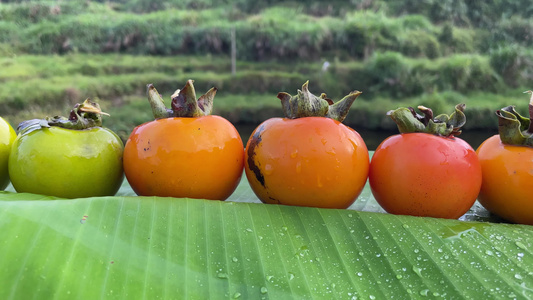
<point>398,53</point>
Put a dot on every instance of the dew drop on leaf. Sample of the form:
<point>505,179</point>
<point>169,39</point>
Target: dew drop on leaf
<point>521,245</point>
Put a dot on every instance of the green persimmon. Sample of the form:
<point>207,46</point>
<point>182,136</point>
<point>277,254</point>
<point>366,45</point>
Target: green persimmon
<point>7,136</point>
<point>67,158</point>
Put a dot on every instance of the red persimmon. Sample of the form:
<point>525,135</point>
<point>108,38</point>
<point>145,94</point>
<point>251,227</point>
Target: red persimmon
<point>428,173</point>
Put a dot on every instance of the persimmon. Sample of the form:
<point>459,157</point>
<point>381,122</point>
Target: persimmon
<point>507,164</point>
<point>72,157</point>
<point>7,136</point>
<point>185,151</point>
<point>308,158</point>
<point>426,170</point>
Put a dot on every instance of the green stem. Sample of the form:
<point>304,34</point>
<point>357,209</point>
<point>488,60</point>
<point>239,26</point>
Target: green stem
<point>409,121</point>
<point>339,110</point>
<point>83,116</point>
<point>305,104</point>
<point>513,128</point>
<point>159,110</point>
<point>530,106</point>
<point>184,103</point>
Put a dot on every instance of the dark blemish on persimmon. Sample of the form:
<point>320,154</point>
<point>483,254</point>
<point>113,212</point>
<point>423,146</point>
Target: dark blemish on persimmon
<point>254,167</point>
<point>149,146</point>
<point>275,200</point>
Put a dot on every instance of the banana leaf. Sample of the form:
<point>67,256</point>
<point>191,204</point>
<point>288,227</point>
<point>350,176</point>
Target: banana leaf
<point>126,247</point>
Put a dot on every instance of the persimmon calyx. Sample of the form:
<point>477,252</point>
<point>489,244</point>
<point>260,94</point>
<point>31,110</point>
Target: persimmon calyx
<point>409,121</point>
<point>184,103</point>
<point>515,129</point>
<point>306,104</point>
<point>83,116</point>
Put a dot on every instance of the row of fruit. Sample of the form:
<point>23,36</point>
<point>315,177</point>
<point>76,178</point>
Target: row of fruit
<point>307,158</point>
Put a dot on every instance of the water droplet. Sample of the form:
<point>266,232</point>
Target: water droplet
<point>416,251</point>
<point>237,295</point>
<point>235,259</point>
<point>270,278</point>
<point>399,276</point>
<point>405,226</point>
<point>298,167</point>
<point>294,153</point>
<point>489,253</point>
<point>269,169</point>
<point>521,245</point>
<point>264,290</point>
<point>424,292</point>
<point>512,295</point>
<point>417,270</point>
<point>291,276</point>
<point>222,275</point>
<point>350,215</point>
<point>249,230</point>
<point>372,297</point>
<point>359,274</point>
<point>324,141</point>
<point>517,276</point>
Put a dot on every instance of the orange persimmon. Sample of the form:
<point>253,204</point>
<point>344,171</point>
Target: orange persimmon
<point>507,164</point>
<point>185,152</point>
<point>308,158</point>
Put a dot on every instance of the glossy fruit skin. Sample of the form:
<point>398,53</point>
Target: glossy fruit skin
<point>67,163</point>
<point>198,157</point>
<point>7,136</point>
<point>507,180</point>
<point>311,161</point>
<point>422,174</point>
